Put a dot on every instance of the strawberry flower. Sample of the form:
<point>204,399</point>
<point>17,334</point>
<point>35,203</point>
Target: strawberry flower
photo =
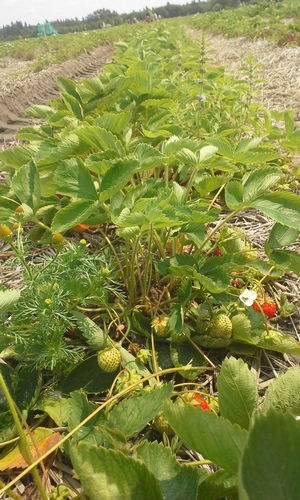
<point>248,297</point>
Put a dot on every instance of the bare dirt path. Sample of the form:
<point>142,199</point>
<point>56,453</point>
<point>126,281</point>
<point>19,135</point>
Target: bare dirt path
<point>16,94</point>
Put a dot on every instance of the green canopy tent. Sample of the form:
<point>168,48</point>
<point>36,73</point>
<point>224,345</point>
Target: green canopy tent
<point>46,30</point>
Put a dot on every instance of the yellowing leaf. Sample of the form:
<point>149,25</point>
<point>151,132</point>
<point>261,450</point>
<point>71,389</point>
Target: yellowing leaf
<point>40,441</point>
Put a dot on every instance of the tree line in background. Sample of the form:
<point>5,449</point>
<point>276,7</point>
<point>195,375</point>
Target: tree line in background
<point>104,17</point>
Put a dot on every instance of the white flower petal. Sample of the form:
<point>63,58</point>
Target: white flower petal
<point>248,297</point>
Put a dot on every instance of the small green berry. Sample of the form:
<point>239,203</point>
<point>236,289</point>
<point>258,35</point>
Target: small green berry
<point>160,326</point>
<point>221,327</point>
<point>143,356</point>
<point>162,425</point>
<point>109,359</point>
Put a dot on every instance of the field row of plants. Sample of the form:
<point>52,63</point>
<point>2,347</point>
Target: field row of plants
<point>278,22</point>
<point>44,51</point>
<point>137,285</point>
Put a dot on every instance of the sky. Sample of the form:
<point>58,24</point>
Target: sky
<point>37,11</point>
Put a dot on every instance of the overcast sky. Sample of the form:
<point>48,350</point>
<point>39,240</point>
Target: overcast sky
<point>37,11</point>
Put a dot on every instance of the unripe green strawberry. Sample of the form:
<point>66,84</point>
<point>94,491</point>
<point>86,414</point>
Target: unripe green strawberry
<point>160,326</point>
<point>162,425</point>
<point>109,359</point>
<point>179,338</point>
<point>221,327</point>
<point>143,356</point>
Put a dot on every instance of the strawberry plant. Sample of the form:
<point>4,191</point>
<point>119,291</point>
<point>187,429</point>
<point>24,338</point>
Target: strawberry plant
<point>104,438</point>
<point>160,155</point>
<point>256,20</point>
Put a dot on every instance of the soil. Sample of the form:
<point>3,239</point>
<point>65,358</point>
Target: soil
<point>278,68</point>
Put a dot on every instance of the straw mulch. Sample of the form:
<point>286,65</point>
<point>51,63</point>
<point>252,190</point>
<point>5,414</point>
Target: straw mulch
<point>279,67</point>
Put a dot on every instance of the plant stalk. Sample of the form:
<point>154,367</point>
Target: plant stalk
<point>23,440</point>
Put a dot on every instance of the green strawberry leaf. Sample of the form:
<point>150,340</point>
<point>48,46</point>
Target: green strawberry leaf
<point>283,207</point>
<point>234,192</point>
<point>218,485</point>
<point>260,181</point>
<point>18,155</point>
<point>131,415</point>
<point>283,394</point>
<point>269,465</point>
<point>238,396</point>
<point>92,333</point>
<point>26,185</point>
<point>281,236</point>
<point>108,474</point>
<point>176,482</point>
<point>88,376</point>
<point>80,408</point>
<point>56,406</point>
<point>73,179</point>
<point>183,355</point>
<point>73,214</point>
<point>214,437</point>
<point>8,298</point>
<point>274,340</point>
<point>241,328</point>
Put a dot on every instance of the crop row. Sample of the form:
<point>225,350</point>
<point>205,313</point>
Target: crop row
<point>151,162</point>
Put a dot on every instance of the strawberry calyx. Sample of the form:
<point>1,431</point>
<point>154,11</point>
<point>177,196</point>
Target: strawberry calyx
<point>160,326</point>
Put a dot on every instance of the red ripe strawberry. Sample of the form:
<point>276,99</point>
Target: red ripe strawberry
<point>218,252</point>
<point>71,334</point>
<point>200,401</point>
<point>268,308</point>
